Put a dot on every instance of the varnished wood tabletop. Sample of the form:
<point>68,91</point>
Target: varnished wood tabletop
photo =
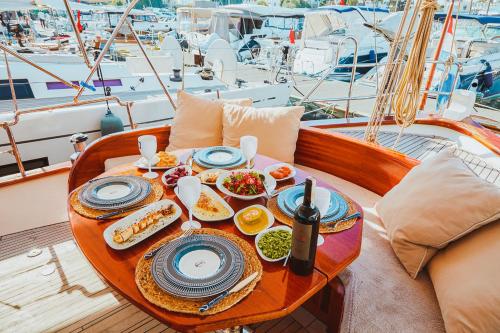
<point>276,295</point>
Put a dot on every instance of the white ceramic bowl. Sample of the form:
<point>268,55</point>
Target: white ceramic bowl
<point>270,183</point>
<point>170,171</point>
<point>270,219</point>
<point>262,233</point>
<point>201,174</point>
<point>273,167</point>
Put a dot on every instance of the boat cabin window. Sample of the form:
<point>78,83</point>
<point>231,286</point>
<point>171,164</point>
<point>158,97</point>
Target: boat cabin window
<point>108,83</point>
<point>285,23</point>
<point>144,18</point>
<point>58,85</point>
<point>10,169</point>
<point>96,83</point>
<point>22,89</point>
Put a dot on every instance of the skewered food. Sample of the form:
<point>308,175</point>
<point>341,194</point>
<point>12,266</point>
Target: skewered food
<point>123,235</point>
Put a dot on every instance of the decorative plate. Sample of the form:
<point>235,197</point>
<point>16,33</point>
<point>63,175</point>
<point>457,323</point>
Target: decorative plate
<point>198,266</point>
<point>109,190</point>
<point>137,217</point>
<point>219,157</point>
<point>289,199</point>
<point>115,192</point>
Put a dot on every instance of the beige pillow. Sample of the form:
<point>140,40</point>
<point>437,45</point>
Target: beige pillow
<point>437,202</point>
<point>276,128</point>
<point>466,278</point>
<point>198,121</point>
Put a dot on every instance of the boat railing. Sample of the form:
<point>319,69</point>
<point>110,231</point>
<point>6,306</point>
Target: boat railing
<point>332,68</point>
<point>7,123</point>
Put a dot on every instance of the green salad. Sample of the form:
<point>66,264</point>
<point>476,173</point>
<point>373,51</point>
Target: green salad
<point>276,243</point>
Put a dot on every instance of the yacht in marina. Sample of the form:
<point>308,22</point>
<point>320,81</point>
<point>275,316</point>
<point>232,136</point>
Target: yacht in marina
<point>220,209</point>
<point>129,89</point>
<point>328,35</point>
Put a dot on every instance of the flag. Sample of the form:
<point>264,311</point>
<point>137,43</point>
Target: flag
<point>291,36</point>
<point>78,23</point>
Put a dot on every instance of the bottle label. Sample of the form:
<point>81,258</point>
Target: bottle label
<point>301,241</point>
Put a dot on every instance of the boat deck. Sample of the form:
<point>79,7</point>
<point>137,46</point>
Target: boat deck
<point>71,297</point>
<point>422,147</point>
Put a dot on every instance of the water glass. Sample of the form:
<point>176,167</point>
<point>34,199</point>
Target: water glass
<point>189,189</point>
<point>248,146</point>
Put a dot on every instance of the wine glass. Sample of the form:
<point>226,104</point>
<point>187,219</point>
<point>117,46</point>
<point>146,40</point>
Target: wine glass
<point>147,147</point>
<point>248,146</point>
<point>321,199</point>
<point>189,188</point>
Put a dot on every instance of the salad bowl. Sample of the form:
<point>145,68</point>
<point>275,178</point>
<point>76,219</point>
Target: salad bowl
<point>246,184</point>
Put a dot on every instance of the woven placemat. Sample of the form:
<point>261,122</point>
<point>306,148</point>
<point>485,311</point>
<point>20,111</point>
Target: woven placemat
<point>157,296</point>
<point>324,228</point>
<point>155,195</point>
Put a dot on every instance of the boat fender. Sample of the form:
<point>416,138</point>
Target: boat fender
<point>111,123</point>
<point>86,85</point>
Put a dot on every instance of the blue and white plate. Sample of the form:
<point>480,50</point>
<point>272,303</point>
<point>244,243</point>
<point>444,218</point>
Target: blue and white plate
<point>114,192</point>
<point>219,157</point>
<point>198,266</point>
<point>289,199</point>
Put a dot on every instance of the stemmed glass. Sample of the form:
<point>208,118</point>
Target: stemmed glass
<point>147,147</point>
<point>189,192</point>
<point>248,146</point>
<point>322,201</point>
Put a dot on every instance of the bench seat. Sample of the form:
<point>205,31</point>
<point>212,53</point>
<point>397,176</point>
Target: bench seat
<point>380,295</point>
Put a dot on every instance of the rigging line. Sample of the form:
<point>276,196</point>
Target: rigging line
<point>405,104</point>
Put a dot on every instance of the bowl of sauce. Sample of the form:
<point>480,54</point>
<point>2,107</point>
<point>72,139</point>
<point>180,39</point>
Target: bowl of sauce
<point>253,219</point>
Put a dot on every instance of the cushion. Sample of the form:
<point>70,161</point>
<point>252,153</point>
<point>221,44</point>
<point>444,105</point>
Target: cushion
<point>466,277</point>
<point>276,128</point>
<point>437,202</point>
<point>379,295</point>
<point>198,121</point>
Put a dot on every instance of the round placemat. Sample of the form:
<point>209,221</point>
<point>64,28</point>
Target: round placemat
<point>324,228</point>
<point>157,296</point>
<point>155,195</point>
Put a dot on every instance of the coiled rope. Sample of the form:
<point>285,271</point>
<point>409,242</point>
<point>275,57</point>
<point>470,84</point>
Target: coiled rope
<point>407,93</point>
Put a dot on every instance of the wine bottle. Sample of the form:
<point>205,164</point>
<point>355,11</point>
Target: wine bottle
<point>305,232</point>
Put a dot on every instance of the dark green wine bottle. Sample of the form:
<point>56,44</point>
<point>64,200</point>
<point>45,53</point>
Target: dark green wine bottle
<point>305,232</point>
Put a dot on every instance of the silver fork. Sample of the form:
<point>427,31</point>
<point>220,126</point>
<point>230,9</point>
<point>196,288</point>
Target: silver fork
<point>151,254</point>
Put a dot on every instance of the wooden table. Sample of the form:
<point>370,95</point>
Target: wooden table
<point>278,293</point>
